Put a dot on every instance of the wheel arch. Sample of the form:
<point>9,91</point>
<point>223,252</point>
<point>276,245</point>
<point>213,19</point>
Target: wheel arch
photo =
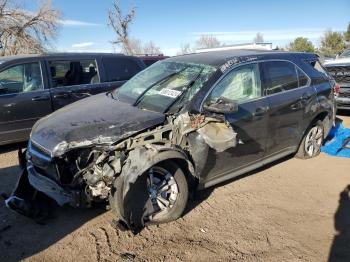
<point>324,117</point>
<point>142,158</point>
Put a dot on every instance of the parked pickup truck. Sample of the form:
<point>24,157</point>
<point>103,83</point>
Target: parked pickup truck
<point>34,86</point>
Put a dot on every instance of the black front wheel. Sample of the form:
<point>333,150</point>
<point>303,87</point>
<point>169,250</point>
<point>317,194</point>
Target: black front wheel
<point>166,188</point>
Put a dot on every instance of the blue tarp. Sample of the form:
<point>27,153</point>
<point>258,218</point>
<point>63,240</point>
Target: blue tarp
<point>335,140</point>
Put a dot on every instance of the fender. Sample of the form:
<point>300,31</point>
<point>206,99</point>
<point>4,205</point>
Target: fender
<point>141,159</point>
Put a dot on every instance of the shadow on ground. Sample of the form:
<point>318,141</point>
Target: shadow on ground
<point>201,196</point>
<point>8,148</point>
<point>340,250</point>
<point>21,237</point>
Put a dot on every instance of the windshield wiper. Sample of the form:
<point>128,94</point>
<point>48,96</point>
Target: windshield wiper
<point>156,83</point>
<point>185,88</point>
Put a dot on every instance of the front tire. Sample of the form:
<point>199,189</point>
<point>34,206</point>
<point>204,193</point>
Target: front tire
<point>311,144</point>
<point>168,192</point>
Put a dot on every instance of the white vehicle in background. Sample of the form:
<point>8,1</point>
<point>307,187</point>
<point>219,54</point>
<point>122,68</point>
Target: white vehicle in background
<point>339,69</point>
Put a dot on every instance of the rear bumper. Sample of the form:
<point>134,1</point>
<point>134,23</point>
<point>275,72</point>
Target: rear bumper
<point>343,102</point>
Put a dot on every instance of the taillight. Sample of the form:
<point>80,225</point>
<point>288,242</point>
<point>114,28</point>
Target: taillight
<point>336,89</point>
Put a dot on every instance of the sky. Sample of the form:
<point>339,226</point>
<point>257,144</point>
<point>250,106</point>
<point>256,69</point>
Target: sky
<point>171,24</point>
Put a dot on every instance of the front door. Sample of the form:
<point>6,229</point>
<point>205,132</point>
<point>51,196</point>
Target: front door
<point>23,100</point>
<point>243,85</point>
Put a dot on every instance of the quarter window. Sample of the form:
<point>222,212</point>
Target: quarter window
<point>303,79</point>
<point>241,84</point>
<point>281,75</point>
<point>70,73</point>
<point>317,66</point>
<point>21,78</point>
<point>120,68</point>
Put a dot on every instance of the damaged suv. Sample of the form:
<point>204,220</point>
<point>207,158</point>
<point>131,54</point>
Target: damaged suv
<point>184,123</point>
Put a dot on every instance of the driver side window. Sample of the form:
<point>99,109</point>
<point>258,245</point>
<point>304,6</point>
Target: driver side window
<point>21,78</point>
<point>239,85</point>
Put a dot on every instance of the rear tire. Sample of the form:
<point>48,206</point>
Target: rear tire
<point>175,173</point>
<point>312,141</point>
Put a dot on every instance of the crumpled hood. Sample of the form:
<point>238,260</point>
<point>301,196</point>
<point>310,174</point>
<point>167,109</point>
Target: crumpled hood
<point>97,119</point>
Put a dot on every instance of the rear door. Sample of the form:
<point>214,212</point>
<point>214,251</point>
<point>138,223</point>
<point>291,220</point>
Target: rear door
<point>23,100</point>
<point>74,79</point>
<point>290,96</point>
<point>241,84</point>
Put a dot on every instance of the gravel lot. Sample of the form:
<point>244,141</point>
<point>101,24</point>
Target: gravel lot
<point>292,210</point>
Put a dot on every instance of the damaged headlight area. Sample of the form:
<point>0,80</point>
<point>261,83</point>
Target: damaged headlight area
<point>78,178</point>
<point>84,176</point>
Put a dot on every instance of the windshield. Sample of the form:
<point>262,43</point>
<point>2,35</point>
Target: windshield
<point>165,85</point>
<point>346,53</point>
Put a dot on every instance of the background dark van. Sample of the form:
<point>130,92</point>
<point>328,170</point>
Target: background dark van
<point>36,85</point>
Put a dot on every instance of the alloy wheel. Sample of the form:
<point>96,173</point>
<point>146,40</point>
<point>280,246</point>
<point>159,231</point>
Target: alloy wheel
<point>313,141</point>
<point>163,191</point>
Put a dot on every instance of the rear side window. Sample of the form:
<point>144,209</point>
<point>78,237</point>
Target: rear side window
<point>120,68</point>
<point>70,73</point>
<point>21,78</point>
<point>281,76</point>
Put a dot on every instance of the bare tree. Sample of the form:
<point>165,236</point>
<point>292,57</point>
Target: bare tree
<point>121,26</point>
<point>24,32</point>
<point>185,49</point>
<point>151,49</point>
<point>207,41</point>
<point>135,46</point>
<point>259,38</point>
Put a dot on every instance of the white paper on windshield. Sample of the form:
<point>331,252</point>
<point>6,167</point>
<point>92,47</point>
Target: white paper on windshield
<point>169,92</point>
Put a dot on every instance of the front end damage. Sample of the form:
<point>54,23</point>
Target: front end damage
<point>84,175</point>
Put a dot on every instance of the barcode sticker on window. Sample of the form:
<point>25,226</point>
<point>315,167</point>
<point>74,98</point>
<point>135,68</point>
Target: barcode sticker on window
<point>169,92</point>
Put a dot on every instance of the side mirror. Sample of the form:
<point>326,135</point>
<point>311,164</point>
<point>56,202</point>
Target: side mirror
<point>222,106</point>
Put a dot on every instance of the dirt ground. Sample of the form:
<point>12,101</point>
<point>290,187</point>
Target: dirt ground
<point>292,210</point>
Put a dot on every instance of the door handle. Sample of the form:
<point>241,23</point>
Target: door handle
<point>305,97</point>
<point>10,105</point>
<point>62,95</point>
<point>296,106</point>
<point>81,95</point>
<point>40,98</point>
<point>261,110</point>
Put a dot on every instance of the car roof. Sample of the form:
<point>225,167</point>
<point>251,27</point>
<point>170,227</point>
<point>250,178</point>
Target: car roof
<point>56,55</point>
<point>217,58</point>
